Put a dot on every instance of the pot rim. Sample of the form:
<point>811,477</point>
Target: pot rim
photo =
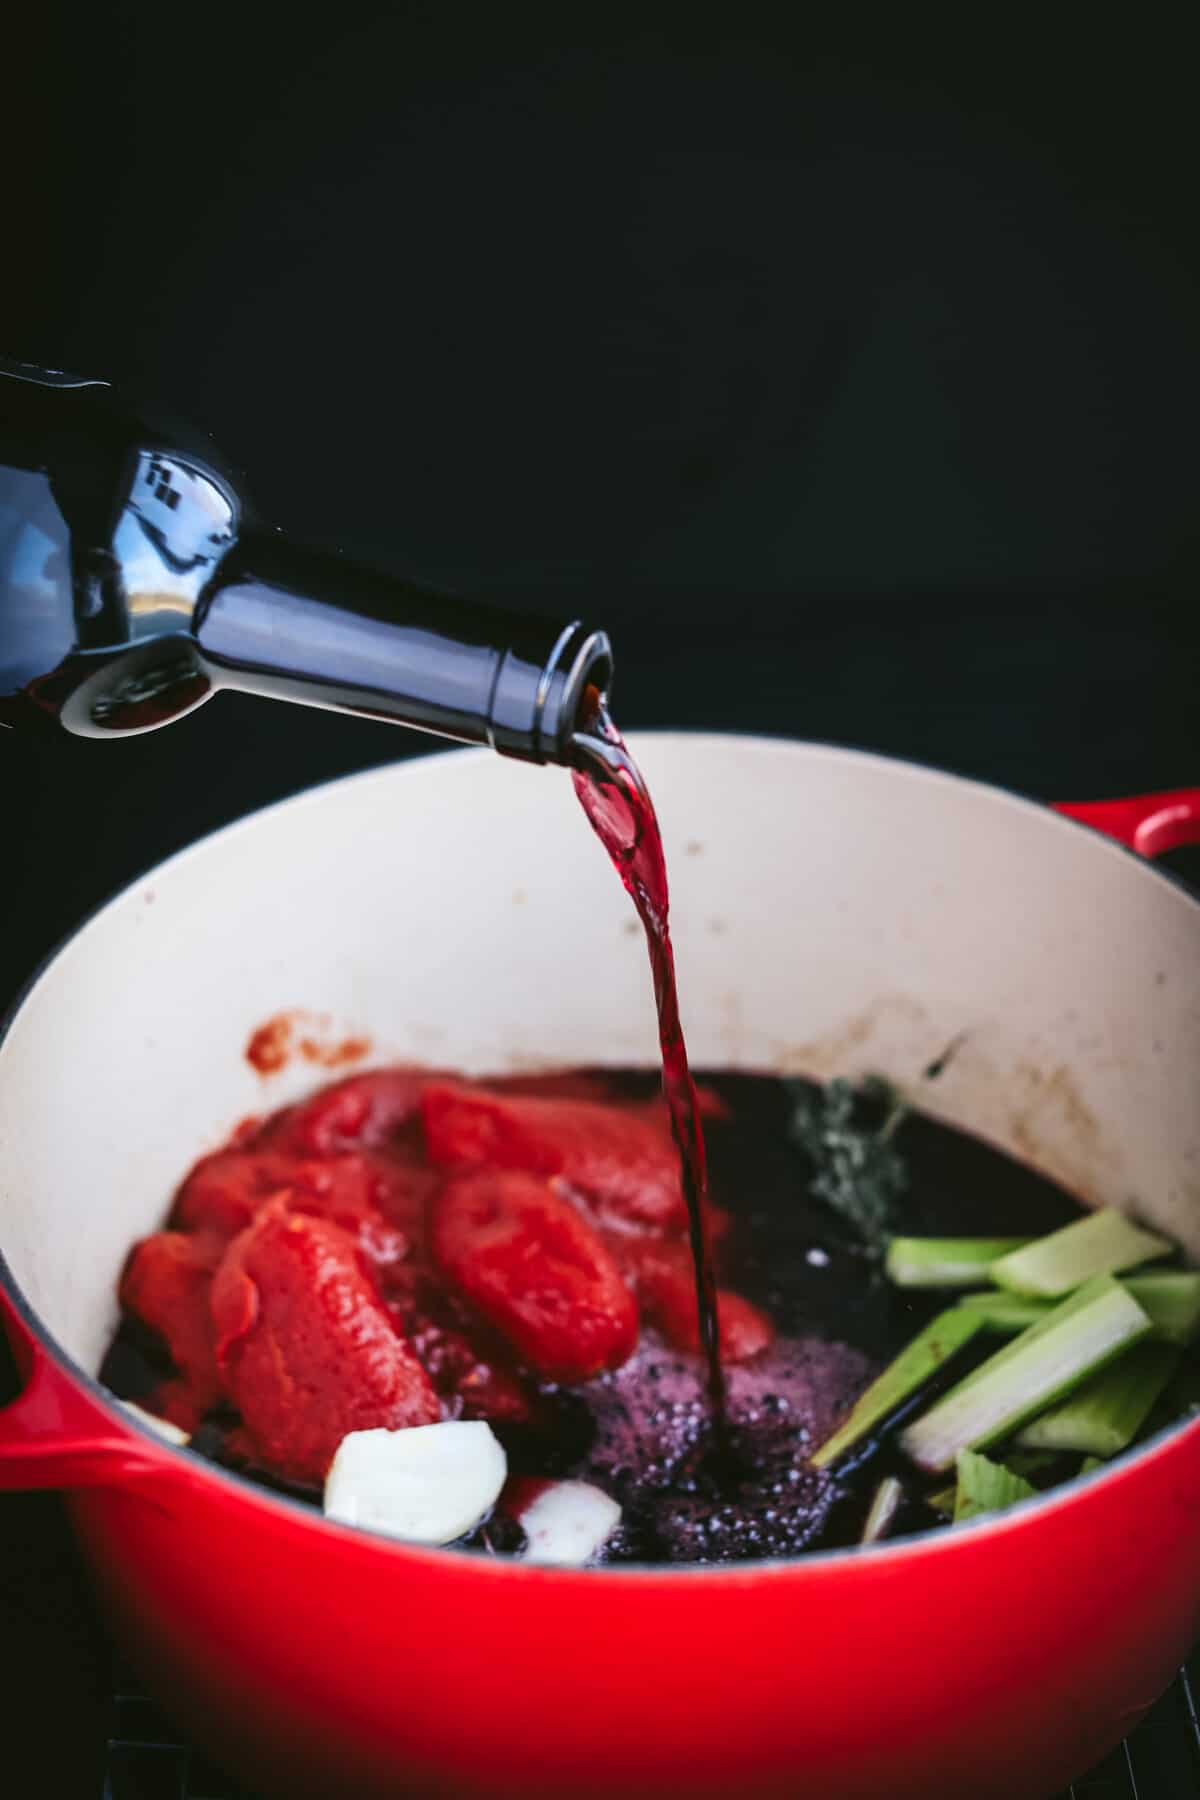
<point>807,1566</point>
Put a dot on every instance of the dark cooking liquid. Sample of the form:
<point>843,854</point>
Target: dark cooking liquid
<point>643,1433</point>
<point>617,802</point>
<point>645,1437</point>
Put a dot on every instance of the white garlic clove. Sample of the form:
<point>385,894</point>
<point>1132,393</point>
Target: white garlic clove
<point>568,1523</point>
<point>429,1484</point>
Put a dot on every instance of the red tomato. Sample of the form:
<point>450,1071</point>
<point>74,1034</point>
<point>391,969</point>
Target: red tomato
<point>526,1260</point>
<point>620,1159</point>
<point>305,1346</point>
<point>166,1285</point>
<point>371,1196</point>
<point>364,1111</point>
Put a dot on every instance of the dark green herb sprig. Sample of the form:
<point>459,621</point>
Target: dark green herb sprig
<point>847,1133</point>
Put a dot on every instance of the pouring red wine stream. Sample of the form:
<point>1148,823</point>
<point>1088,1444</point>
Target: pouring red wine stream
<point>195,593</point>
<point>615,798</point>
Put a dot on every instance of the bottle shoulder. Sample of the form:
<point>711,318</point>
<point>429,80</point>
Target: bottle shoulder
<point>110,534</point>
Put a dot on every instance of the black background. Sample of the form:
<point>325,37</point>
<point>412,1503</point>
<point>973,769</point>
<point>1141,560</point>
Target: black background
<point>849,377</point>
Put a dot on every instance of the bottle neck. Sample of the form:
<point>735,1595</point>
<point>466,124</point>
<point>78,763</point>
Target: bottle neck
<point>297,624</point>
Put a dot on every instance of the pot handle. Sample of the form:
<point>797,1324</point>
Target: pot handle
<point>1151,824</point>
<point>50,1438</point>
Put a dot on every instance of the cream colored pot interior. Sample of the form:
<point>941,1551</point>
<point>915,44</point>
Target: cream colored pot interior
<point>834,913</point>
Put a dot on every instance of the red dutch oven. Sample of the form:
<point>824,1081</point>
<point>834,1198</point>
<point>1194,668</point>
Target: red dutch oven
<point>836,913</point>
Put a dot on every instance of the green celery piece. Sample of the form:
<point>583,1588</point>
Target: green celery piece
<point>941,1338</point>
<point>1105,1413</point>
<point>943,1500</point>
<point>920,1262</point>
<point>1102,1244</point>
<point>1171,1301</point>
<point>1027,1375</point>
<point>1047,1312</point>
<point>985,1486</point>
<point>1006,1312</point>
<point>888,1496</point>
<point>1090,1464</point>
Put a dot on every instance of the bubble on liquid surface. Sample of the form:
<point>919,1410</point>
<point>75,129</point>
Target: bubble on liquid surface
<point>682,1502</point>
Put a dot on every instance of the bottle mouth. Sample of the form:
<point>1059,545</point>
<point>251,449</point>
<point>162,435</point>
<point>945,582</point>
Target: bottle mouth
<point>536,714</point>
<point>584,659</point>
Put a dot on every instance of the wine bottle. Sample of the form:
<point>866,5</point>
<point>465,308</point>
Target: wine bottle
<point>135,581</point>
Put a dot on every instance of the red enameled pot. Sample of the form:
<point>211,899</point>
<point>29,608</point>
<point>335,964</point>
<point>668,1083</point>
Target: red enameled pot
<point>835,913</point>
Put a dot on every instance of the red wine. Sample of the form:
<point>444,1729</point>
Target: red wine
<point>615,798</point>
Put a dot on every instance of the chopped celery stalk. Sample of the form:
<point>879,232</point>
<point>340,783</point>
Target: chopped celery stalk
<point>985,1486</point>
<point>1105,1413</point>
<point>1172,1303</point>
<point>943,1500</point>
<point>1102,1244</point>
<point>888,1496</point>
<point>945,1262</point>
<point>1027,1375</point>
<point>1006,1312</point>
<point>1064,1310</point>
<point>1090,1464</point>
<point>941,1338</point>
